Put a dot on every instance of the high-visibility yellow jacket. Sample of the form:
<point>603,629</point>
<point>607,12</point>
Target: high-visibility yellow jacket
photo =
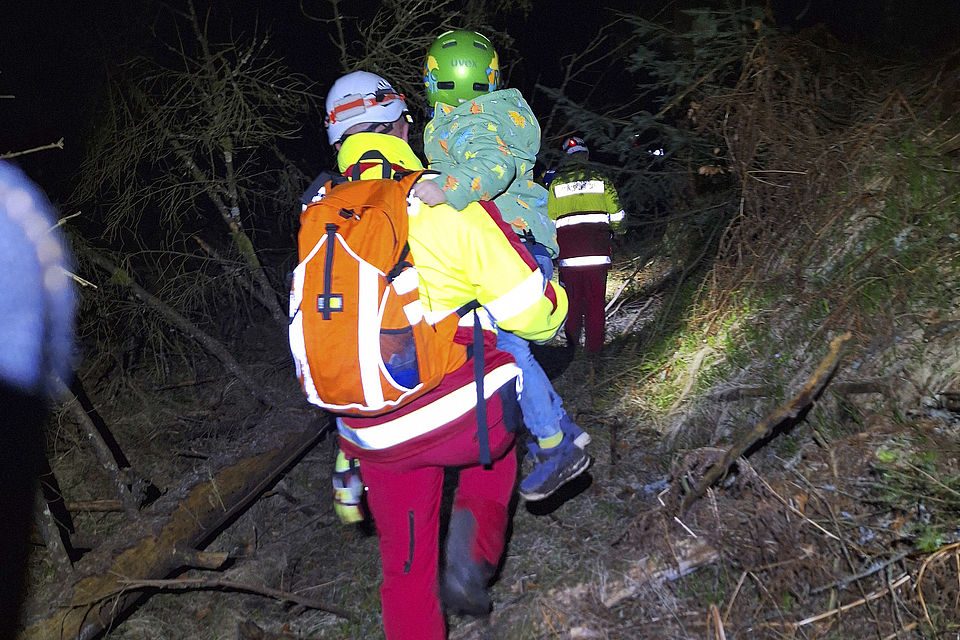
<point>586,209</point>
<point>461,257</point>
<point>467,255</point>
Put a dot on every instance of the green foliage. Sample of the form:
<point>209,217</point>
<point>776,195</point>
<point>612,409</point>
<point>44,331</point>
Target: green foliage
<point>912,475</point>
<point>649,137</point>
<point>709,585</point>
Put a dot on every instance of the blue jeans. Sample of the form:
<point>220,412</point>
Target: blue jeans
<point>546,266</point>
<point>541,406</point>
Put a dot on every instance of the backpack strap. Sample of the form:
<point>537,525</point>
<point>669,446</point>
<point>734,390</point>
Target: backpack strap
<point>483,434</point>
<point>372,154</point>
<point>402,263</point>
<point>313,191</point>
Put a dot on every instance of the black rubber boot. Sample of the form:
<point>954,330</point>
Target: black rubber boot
<point>463,586</point>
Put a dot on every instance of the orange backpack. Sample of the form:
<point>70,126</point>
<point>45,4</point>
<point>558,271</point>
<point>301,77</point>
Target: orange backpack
<point>357,332</point>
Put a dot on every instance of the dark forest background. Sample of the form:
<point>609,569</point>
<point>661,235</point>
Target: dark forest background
<point>789,171</point>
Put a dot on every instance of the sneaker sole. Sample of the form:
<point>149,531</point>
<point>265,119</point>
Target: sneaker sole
<point>533,497</point>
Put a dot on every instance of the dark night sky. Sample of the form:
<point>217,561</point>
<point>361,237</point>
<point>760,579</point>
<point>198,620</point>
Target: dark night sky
<point>53,52</point>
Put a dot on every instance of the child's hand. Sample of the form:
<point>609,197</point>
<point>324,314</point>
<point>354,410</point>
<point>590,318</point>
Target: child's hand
<point>429,192</point>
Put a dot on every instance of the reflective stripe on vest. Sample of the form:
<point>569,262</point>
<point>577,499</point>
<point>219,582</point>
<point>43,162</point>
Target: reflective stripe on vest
<point>583,218</point>
<point>510,304</point>
<point>435,316</point>
<point>486,322</point>
<point>577,187</point>
<point>432,416</point>
<point>518,299</point>
<point>368,326</point>
<point>584,261</point>
<point>618,216</point>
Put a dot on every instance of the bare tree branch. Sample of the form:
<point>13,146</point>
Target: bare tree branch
<point>13,154</point>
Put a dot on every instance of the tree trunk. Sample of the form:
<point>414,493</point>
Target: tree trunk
<point>212,346</point>
<point>160,546</point>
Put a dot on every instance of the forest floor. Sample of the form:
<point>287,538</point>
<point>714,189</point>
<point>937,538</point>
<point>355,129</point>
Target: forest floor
<point>834,525</point>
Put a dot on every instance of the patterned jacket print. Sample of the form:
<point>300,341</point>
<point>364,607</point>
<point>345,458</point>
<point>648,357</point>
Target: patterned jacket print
<point>485,149</point>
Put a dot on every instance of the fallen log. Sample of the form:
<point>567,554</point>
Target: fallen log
<point>158,546</point>
<point>690,555</point>
<point>800,402</point>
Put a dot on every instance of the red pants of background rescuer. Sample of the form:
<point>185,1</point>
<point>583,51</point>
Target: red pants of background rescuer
<point>404,499</point>
<point>587,294</point>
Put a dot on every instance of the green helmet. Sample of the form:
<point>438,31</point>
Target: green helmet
<point>460,66</point>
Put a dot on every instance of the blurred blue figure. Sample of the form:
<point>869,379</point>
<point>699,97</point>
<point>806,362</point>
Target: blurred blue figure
<point>37,309</point>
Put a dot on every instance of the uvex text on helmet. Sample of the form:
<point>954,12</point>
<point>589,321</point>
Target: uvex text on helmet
<point>360,97</point>
<point>460,66</point>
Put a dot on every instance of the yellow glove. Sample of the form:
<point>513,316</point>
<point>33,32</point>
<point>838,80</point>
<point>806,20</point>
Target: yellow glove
<point>347,489</point>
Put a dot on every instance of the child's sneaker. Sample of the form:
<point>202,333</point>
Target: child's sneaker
<point>552,468</point>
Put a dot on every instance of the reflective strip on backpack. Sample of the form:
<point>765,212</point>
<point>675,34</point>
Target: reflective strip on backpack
<point>407,281</point>
<point>577,187</point>
<point>298,347</point>
<point>299,351</point>
<point>413,311</point>
<point>432,416</point>
<point>518,299</point>
<point>584,218</point>
<point>368,331</point>
<point>584,261</point>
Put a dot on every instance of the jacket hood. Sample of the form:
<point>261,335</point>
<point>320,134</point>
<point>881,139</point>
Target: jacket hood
<point>394,149</point>
<point>510,96</point>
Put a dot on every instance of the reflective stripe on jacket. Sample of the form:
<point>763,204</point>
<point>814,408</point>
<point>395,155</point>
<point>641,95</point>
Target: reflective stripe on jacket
<point>585,207</point>
<point>423,418</point>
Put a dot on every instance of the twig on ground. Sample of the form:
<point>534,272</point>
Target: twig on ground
<point>733,598</point>
<point>869,571</point>
<point>796,511</point>
<point>942,551</point>
<point>864,600</point>
<point>717,622</point>
<point>230,585</point>
<point>905,629</point>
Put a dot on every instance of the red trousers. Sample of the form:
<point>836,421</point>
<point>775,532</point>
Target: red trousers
<point>404,499</point>
<point>587,294</point>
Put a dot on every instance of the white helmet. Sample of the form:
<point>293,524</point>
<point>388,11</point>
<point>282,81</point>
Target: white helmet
<point>361,97</point>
